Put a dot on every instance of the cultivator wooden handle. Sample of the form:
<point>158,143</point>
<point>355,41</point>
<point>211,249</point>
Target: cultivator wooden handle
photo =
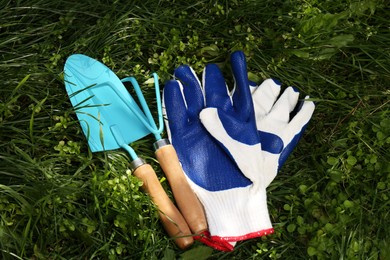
<point>171,218</point>
<point>185,198</point>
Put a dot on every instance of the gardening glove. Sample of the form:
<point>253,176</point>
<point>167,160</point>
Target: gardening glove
<point>225,172</point>
<point>280,120</point>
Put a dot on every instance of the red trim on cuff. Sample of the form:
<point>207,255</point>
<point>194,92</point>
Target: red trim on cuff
<point>260,233</point>
<point>221,245</point>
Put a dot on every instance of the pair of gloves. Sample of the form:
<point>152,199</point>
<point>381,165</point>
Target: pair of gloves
<point>232,144</point>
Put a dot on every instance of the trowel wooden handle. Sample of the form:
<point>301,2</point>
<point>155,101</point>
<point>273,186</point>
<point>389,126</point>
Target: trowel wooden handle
<point>187,201</point>
<point>171,218</point>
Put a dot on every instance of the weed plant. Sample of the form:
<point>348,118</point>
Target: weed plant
<point>59,201</point>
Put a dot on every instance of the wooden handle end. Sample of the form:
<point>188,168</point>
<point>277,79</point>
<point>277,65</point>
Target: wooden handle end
<point>171,218</point>
<point>187,201</point>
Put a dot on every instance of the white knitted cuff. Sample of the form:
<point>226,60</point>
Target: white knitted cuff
<point>235,214</point>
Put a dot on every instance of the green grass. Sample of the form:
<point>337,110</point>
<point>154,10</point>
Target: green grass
<point>60,201</point>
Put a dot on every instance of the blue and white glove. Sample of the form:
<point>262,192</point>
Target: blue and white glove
<point>226,172</point>
<point>280,122</point>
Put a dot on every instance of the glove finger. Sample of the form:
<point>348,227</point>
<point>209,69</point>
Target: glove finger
<point>264,97</point>
<point>302,117</point>
<point>174,106</point>
<point>242,99</point>
<point>296,128</point>
<point>285,104</point>
<point>215,88</point>
<point>192,90</point>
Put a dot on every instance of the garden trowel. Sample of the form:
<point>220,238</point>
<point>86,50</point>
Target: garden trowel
<point>111,119</point>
